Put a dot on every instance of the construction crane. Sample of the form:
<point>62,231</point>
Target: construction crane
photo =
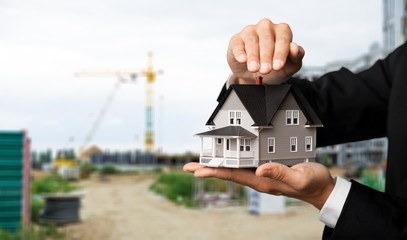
<point>126,77</point>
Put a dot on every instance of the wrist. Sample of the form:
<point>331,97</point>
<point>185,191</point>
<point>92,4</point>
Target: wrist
<point>323,194</point>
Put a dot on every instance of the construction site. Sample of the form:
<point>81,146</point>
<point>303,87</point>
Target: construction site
<point>103,104</point>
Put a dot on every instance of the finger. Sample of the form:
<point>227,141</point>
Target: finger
<point>266,46</point>
<point>251,45</point>
<point>192,167</point>
<point>246,177</point>
<point>241,176</point>
<point>283,37</point>
<point>237,49</point>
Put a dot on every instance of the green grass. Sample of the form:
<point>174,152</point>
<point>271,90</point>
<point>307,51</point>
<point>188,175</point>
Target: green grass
<point>48,232</point>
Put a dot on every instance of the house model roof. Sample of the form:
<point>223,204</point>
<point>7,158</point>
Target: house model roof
<point>235,131</point>
<point>263,101</point>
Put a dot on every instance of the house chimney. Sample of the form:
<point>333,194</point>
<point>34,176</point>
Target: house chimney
<point>259,80</point>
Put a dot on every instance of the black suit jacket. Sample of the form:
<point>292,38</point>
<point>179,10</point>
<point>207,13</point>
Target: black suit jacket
<point>359,106</point>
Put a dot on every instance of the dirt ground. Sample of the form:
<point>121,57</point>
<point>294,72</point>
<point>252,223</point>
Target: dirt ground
<point>123,208</point>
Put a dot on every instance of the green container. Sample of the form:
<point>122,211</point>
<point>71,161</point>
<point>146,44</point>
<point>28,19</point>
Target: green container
<point>11,179</point>
<point>12,225</point>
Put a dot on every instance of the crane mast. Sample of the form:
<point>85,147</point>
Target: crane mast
<point>124,77</point>
<point>149,108</point>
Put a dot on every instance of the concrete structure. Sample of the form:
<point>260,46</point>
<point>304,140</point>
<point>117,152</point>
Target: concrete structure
<point>263,203</point>
<point>394,24</point>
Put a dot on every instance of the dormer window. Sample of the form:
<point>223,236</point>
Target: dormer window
<point>235,117</point>
<point>292,117</point>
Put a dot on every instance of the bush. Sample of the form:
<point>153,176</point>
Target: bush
<point>37,203</point>
<point>373,180</point>
<point>108,169</point>
<point>176,187</point>
<point>51,184</point>
<point>87,168</point>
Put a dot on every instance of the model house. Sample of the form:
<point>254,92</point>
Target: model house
<point>256,124</point>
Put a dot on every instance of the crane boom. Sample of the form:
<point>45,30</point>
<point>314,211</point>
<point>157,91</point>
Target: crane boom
<point>123,77</point>
<point>100,116</point>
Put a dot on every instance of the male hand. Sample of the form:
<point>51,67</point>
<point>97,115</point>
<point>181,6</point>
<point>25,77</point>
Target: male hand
<point>310,182</point>
<point>264,49</point>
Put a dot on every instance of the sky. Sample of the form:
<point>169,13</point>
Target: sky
<point>43,43</point>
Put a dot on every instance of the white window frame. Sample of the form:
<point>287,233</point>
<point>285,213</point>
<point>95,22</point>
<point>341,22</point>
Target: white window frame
<point>245,145</point>
<point>292,117</point>
<point>293,143</point>
<point>238,119</point>
<point>235,117</point>
<point>219,141</point>
<point>271,143</point>
<point>308,141</point>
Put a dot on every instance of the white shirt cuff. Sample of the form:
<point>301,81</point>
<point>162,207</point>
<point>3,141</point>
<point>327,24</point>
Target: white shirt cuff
<point>332,208</point>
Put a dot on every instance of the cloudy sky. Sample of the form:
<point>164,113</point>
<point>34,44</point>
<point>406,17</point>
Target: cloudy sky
<point>44,42</point>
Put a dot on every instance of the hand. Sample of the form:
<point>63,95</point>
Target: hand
<point>310,182</point>
<point>267,49</point>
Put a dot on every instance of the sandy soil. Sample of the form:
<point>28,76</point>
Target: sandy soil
<point>123,208</point>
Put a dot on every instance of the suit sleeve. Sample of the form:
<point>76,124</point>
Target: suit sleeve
<point>370,214</point>
<point>354,107</point>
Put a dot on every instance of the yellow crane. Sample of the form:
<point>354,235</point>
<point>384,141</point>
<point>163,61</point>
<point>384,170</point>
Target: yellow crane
<point>126,77</point>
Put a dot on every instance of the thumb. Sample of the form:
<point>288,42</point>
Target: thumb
<point>296,53</point>
<point>276,171</point>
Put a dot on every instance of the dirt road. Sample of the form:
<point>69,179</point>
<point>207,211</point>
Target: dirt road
<point>123,208</point>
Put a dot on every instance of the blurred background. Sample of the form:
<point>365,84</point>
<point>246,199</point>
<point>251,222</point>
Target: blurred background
<point>110,93</point>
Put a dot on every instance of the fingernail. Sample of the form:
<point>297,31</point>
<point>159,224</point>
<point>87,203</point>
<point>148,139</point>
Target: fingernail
<point>277,64</point>
<point>253,65</point>
<point>265,67</point>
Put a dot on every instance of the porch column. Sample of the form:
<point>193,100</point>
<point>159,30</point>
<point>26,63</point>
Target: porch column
<point>213,147</point>
<point>201,154</point>
<point>224,147</point>
<point>238,148</point>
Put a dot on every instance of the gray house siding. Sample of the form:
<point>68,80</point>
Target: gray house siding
<point>222,120</point>
<point>283,132</point>
<point>233,103</point>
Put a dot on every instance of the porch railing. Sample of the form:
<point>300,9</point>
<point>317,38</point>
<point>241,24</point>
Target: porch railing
<point>228,154</point>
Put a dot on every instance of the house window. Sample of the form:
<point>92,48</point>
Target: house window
<point>219,141</point>
<point>238,118</point>
<point>293,144</point>
<point>272,145</point>
<point>308,144</point>
<point>292,117</point>
<point>235,117</point>
<point>227,144</point>
<point>245,145</point>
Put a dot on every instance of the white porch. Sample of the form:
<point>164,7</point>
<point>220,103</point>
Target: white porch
<point>230,146</point>
<point>228,152</point>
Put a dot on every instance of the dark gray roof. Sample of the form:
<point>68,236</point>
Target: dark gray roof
<point>231,131</point>
<point>263,101</point>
